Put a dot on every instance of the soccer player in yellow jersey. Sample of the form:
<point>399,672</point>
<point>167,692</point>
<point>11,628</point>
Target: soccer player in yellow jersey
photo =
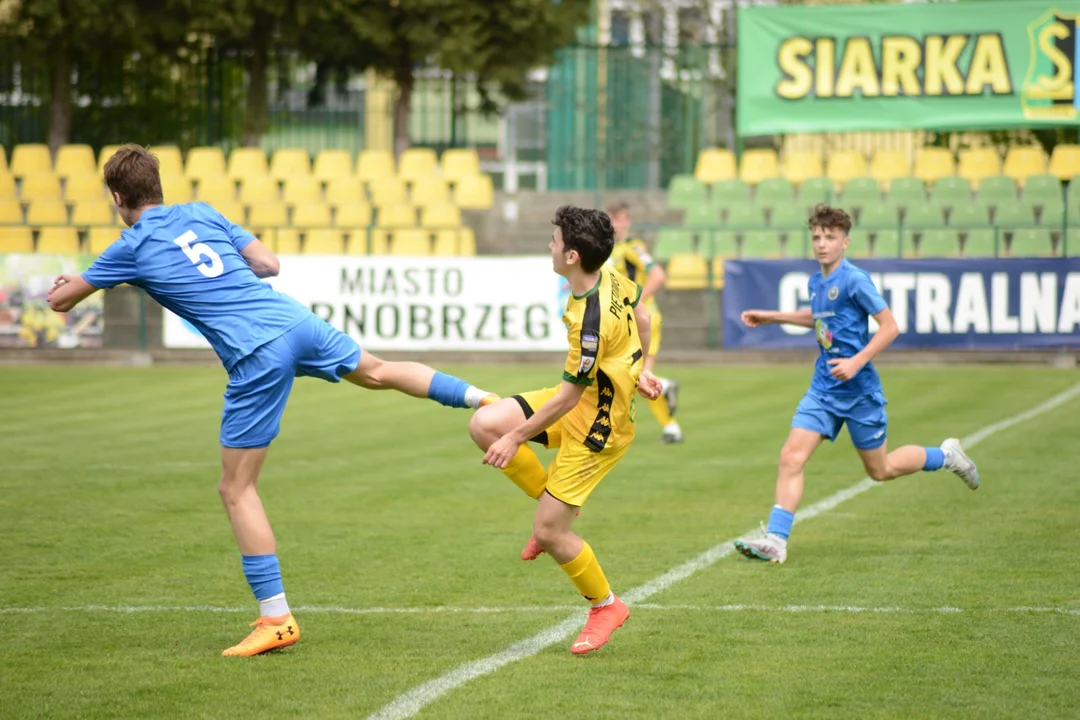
<point>589,417</point>
<point>631,258</point>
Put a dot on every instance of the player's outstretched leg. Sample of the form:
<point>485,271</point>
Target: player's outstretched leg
<point>417,380</point>
<point>276,628</point>
<point>908,459</point>
<point>551,528</point>
<point>663,409</point>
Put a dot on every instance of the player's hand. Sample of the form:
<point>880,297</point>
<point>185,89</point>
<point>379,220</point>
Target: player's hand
<point>501,452</point>
<point>843,369</point>
<point>60,280</point>
<point>649,385</point>
<point>753,318</point>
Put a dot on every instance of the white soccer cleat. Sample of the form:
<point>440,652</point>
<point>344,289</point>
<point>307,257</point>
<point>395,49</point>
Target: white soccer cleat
<point>670,390</point>
<point>770,548</point>
<point>672,434</point>
<point>957,461</point>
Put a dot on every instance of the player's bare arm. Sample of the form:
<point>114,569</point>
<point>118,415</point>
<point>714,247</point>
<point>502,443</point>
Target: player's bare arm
<point>503,449</point>
<point>261,259</point>
<point>68,291</point>
<point>754,318</point>
<point>655,280</point>
<point>846,368</point>
<point>648,384</point>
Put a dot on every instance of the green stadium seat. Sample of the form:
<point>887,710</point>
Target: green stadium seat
<point>730,192</point>
<point>1031,242</point>
<point>886,243</point>
<point>701,216</point>
<point>745,217</point>
<point>950,191</point>
<point>1015,214</point>
<point>717,243</point>
<point>859,245</point>
<point>980,242</point>
<point>671,241</point>
<point>906,191</point>
<point>774,191</point>
<point>1039,188</point>
<point>1052,213</point>
<point>797,243</point>
<point>970,215</point>
<point>926,215</point>
<point>685,192</point>
<point>861,189</point>
<point>1070,242</point>
<point>997,189</point>
<point>788,216</point>
<point>760,244</point>
<point>817,190</point>
<point>939,242</point>
<point>879,215</point>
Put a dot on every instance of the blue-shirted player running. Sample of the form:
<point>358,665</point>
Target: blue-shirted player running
<point>846,388</point>
<point>206,270</point>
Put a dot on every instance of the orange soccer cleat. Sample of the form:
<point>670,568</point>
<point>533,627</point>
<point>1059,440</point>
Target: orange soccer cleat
<point>270,633</point>
<point>532,549</point>
<point>598,628</point>
<point>489,399</point>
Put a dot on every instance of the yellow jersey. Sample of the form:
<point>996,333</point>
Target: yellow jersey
<point>631,259</point>
<point>605,355</point>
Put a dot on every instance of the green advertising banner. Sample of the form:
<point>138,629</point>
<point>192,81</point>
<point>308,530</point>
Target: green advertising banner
<point>964,66</point>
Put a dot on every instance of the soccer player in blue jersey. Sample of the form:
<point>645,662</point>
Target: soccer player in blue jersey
<point>206,270</point>
<point>845,389</point>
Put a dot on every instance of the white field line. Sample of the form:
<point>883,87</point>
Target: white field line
<point>482,610</point>
<point>413,701</point>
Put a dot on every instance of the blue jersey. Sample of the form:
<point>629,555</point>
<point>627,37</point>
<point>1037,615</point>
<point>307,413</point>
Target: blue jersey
<point>187,257</point>
<point>842,304</point>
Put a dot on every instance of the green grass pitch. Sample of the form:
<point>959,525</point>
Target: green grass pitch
<point>120,583</point>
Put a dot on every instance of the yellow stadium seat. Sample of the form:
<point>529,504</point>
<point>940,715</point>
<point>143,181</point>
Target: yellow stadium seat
<point>1065,161</point>
<point>375,165</point>
<point>1023,162</point>
<point>170,161</point>
<point>176,189</point>
<point>285,241</point>
<point>99,238</point>
<point>231,209</point>
<point>443,215</point>
<point>58,240</point>
<point>289,163</point>
<point>325,241</point>
<point>418,163</point>
<point>474,193</point>
<point>757,165</point>
<point>92,212</point>
<point>411,241</point>
<point>715,164</point>
<point>302,189</point>
<point>396,216</point>
<point>259,189</point>
<point>315,215</point>
<point>356,242</point>
<point>85,187</point>
<point>216,188</point>
<point>888,165</point>
<point>40,186</point>
<point>460,163</point>
<point>7,185</point>
<point>801,166</point>
<point>332,164</point>
<point>387,191</point>
<point>934,163</point>
<point>354,215</point>
<point>16,240</point>
<point>843,165</point>
<point>429,191</point>
<point>718,272</point>
<point>687,271</point>
<point>205,163</point>
<point>47,212</point>
<point>106,152</point>
<point>267,214</point>
<point>75,160</point>
<point>11,212</point>
<point>31,158</point>
<point>345,190</point>
<point>460,242</point>
<point>978,163</point>
<point>247,162</point>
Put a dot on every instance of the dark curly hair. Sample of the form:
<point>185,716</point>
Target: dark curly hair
<point>587,231</point>
<point>823,216</point>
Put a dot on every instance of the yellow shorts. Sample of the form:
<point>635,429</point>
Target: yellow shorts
<point>654,334</point>
<point>576,470</point>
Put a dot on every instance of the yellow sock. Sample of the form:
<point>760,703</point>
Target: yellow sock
<point>661,411</point>
<point>527,472</point>
<point>588,578</point>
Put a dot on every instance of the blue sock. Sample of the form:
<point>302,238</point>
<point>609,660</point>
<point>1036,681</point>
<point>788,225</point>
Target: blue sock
<point>448,390</point>
<point>780,522</point>
<point>935,458</point>
<point>263,575</point>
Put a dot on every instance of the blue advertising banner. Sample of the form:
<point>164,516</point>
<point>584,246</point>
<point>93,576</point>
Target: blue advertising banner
<point>991,304</point>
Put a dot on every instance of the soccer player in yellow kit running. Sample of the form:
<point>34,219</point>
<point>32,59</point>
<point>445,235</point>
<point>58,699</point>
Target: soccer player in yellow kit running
<point>589,417</point>
<point>631,258</point>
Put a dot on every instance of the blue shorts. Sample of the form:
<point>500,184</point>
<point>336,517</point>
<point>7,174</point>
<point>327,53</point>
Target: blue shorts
<point>259,384</point>
<point>864,414</point>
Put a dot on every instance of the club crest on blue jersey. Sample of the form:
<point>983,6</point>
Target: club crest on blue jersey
<point>834,292</point>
